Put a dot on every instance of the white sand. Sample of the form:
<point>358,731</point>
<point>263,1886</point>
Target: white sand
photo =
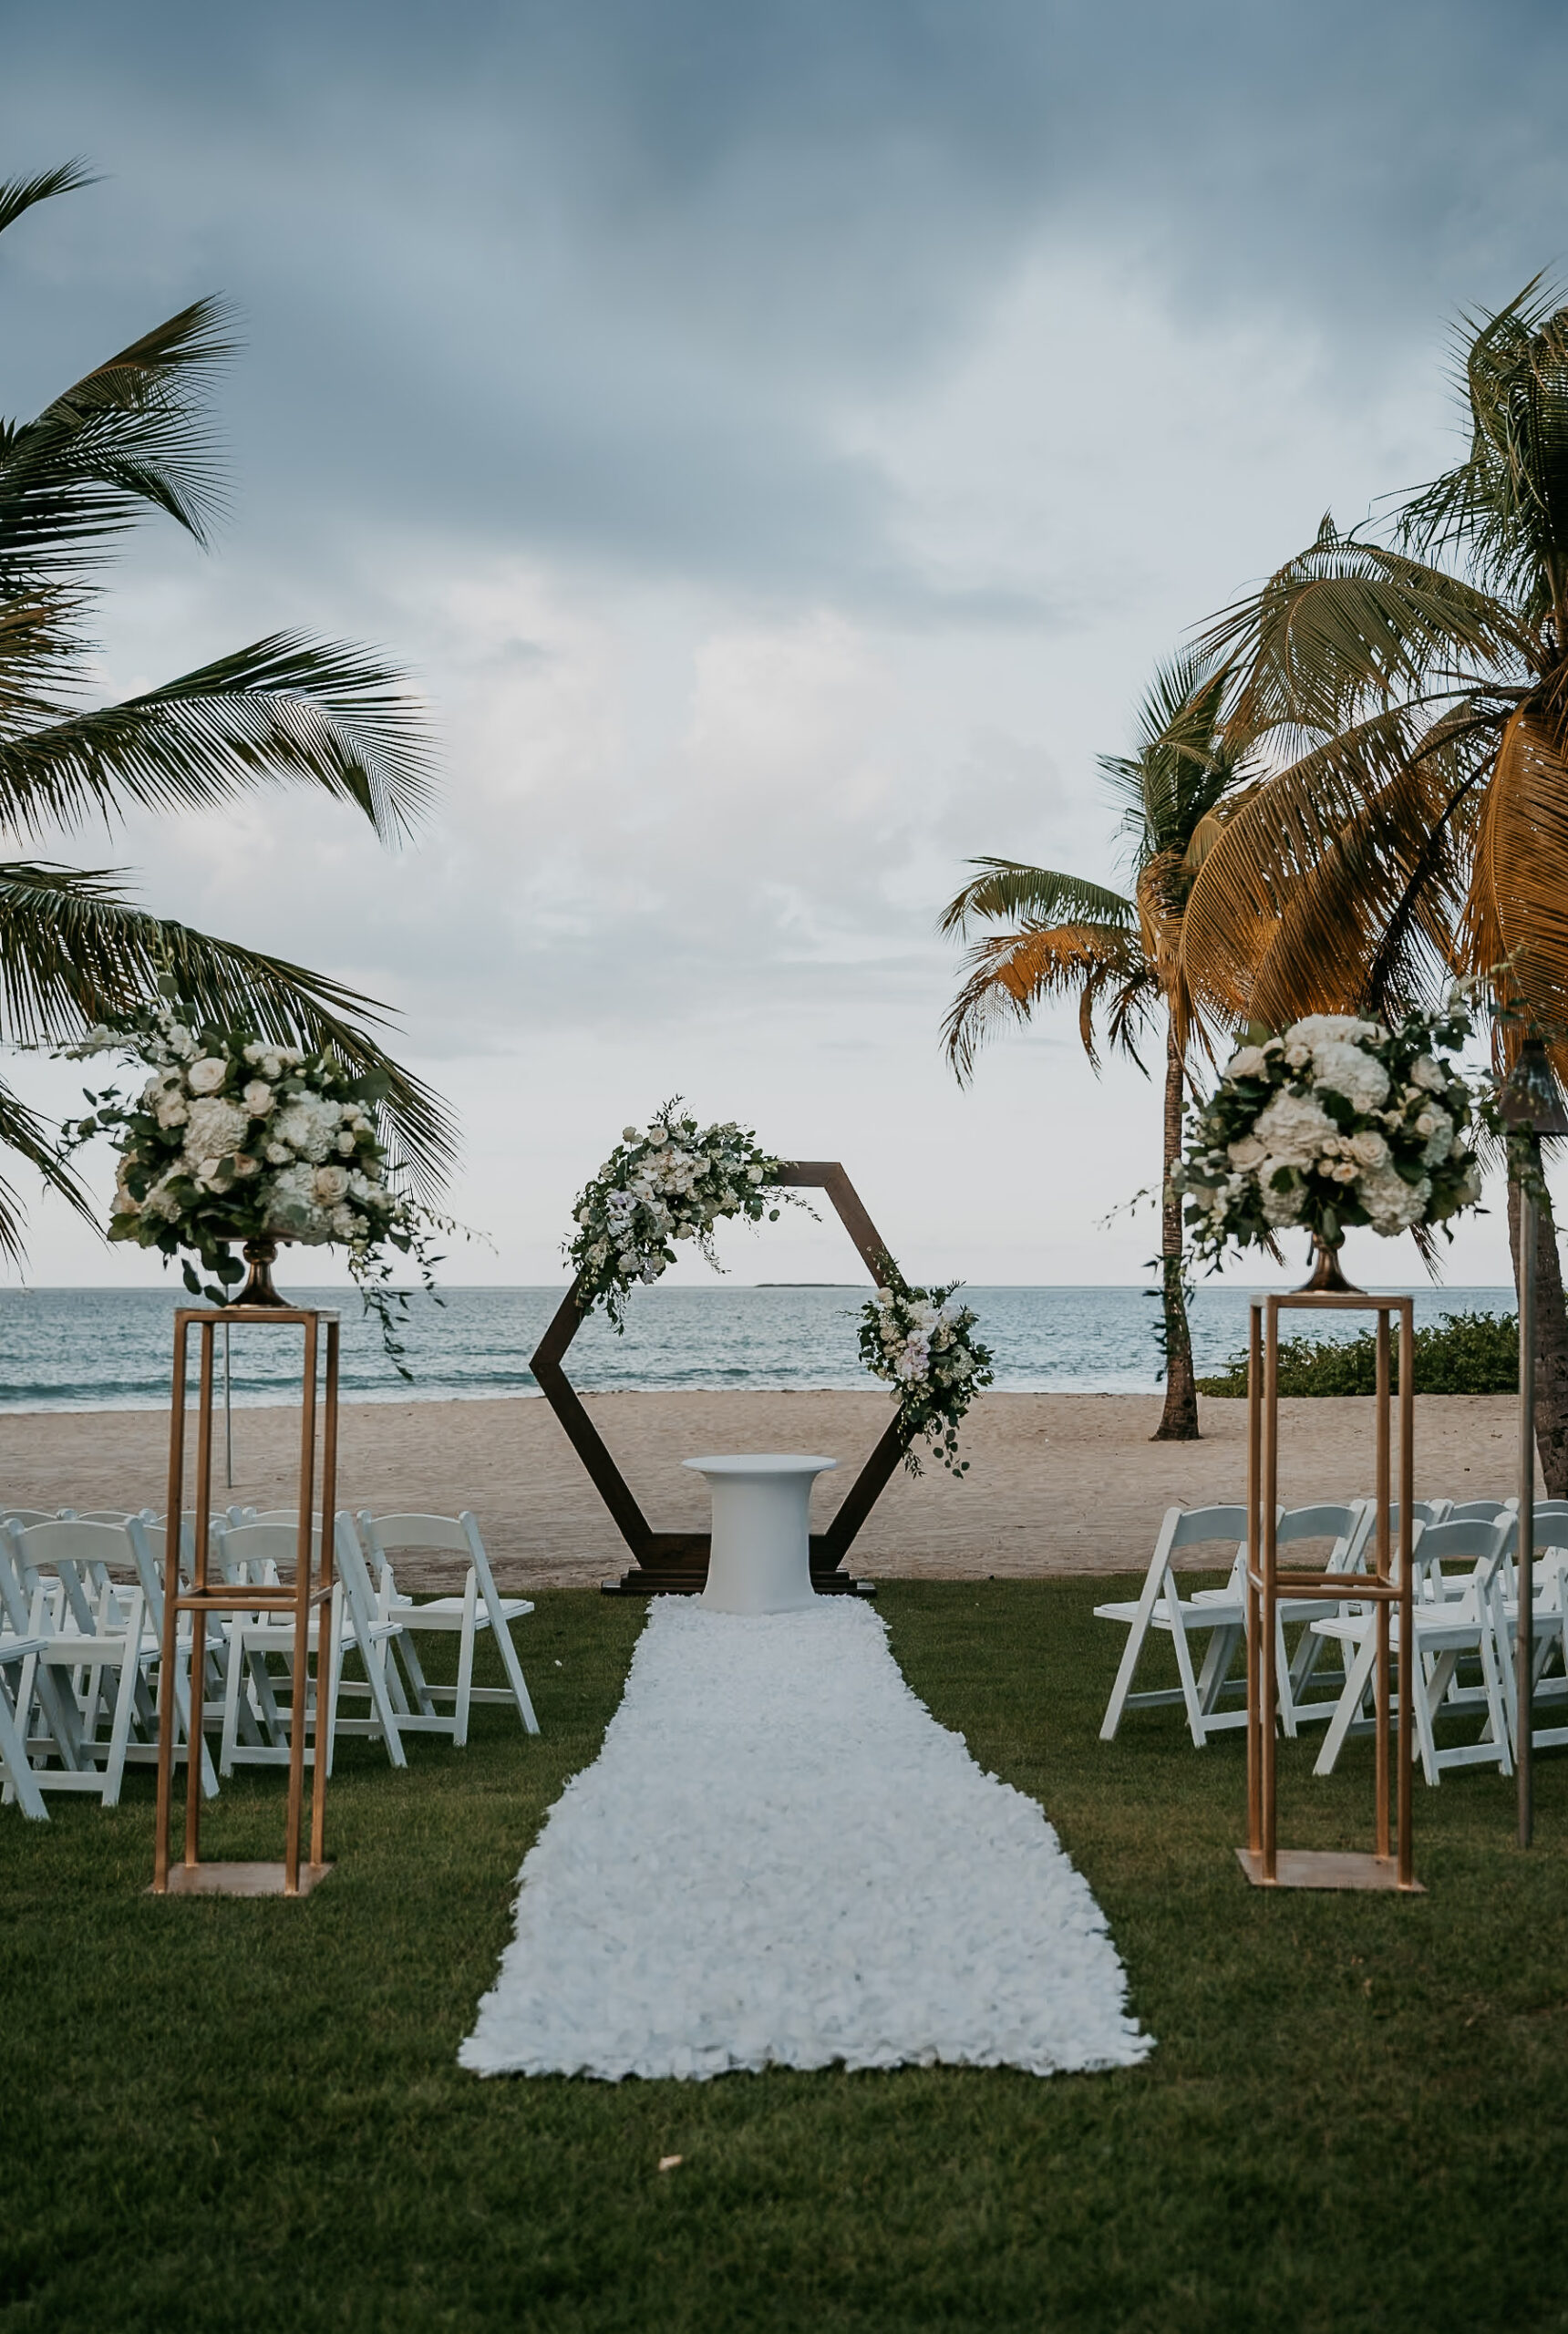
<point>1058,1482</point>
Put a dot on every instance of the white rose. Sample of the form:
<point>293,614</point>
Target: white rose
<point>207,1075</point>
<point>271,1066</point>
<point>331,1182</point>
<point>257,1098</point>
<point>172,1110</point>
<point>278,1154</point>
<point>629,1134</point>
<point>345,1145</point>
<point>245,1165</point>
<point>1428,1074</point>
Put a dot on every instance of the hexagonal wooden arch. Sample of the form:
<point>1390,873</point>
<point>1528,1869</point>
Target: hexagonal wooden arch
<point>675,1563</point>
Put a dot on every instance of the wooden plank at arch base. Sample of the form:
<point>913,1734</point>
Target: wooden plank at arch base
<point>675,1563</point>
<point>1386,1589</point>
<point>308,1597</point>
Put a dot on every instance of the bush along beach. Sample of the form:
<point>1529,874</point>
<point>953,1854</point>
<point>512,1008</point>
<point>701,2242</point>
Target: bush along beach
<point>1465,1353</point>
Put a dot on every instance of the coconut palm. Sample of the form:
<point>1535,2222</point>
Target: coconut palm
<point>1118,953</point>
<point>1416,693</point>
<point>74,950</point>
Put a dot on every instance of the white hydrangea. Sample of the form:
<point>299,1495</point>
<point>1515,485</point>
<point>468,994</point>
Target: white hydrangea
<point>214,1127</point>
<point>1345,1070</point>
<point>1294,1129</point>
<point>1247,1061</point>
<point>1280,1207</point>
<point>308,1125</point>
<point>1428,1074</point>
<point>1393,1205</point>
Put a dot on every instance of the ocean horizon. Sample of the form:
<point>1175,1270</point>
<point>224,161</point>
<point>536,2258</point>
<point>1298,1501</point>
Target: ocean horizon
<point>101,1348</point>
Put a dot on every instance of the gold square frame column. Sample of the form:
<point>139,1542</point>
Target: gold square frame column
<point>310,1592</point>
<point>1265,1863</point>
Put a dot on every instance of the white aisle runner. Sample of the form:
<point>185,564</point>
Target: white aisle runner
<point>779,1858</point>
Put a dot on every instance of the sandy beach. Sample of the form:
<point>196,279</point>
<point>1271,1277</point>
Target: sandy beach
<point>1058,1482</point>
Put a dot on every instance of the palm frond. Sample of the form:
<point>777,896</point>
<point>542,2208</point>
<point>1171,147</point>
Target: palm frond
<point>1506,506</point>
<point>1011,889</point>
<point>1347,626</point>
<point>23,1133</point>
<point>1517,912</point>
<point>1005,977</point>
<point>75,951</point>
<point>132,432</point>
<point>18,195</point>
<point>284,708</point>
<point>1338,884</point>
<point>1184,765</point>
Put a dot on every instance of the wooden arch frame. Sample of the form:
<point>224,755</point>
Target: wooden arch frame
<point>675,1563</point>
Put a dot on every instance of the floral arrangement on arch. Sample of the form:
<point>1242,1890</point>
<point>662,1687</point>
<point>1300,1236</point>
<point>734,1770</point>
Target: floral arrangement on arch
<point>235,1137</point>
<point>674,1180</point>
<point>670,1183</point>
<point>922,1341</point>
<point>1334,1122</point>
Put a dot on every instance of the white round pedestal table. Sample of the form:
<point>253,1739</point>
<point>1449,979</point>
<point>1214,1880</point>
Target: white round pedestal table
<point>761,1553</point>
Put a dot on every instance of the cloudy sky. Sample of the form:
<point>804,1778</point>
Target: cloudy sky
<point>780,437</point>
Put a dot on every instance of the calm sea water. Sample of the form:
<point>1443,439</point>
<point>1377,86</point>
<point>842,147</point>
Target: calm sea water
<point>83,1349</point>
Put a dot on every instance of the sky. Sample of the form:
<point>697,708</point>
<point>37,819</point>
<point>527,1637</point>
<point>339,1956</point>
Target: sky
<point>778,442</point>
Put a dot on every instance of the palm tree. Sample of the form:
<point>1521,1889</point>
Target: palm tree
<point>74,951</point>
<point>1119,954</point>
<point>1416,691</point>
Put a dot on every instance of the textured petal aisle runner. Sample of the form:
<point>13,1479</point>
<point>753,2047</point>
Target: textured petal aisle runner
<point>779,1858</point>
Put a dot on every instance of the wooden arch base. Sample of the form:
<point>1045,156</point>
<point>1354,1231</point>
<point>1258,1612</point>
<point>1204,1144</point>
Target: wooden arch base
<point>675,1563</point>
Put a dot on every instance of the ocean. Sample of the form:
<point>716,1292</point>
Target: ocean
<point>86,1349</point>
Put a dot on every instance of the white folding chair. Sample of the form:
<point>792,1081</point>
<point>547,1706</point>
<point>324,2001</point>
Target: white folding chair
<point>257,1553</point>
<point>84,1638</point>
<point>1161,1608</point>
<point>1454,1613</point>
<point>479,1606</point>
<point>17,1780</point>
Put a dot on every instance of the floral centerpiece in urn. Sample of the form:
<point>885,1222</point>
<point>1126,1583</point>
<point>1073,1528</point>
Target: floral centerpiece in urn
<point>1333,1122</point>
<point>237,1138</point>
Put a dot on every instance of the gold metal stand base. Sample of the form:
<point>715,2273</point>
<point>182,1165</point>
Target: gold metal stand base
<point>1325,1868</point>
<point>240,1879</point>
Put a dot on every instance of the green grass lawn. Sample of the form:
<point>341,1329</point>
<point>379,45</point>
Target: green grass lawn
<point>250,2115</point>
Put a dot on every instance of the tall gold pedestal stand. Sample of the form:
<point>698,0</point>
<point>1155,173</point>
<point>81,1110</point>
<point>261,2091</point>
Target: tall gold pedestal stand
<point>1265,1863</point>
<point>309,1591</point>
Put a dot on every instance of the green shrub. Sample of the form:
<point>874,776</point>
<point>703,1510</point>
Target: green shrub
<point>1465,1353</point>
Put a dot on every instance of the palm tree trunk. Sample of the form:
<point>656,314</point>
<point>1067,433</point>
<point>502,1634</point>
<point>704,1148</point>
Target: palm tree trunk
<point>1551,1338</point>
<point>1179,1422</point>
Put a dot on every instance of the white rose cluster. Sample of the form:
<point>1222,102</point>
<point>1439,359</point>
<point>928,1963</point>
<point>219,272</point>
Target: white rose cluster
<point>1333,1121</point>
<point>234,1136</point>
<point>920,1341</point>
<point>669,1184</point>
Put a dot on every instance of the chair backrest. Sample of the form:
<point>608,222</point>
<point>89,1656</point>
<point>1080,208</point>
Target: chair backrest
<point>1550,1523</point>
<point>386,1536</point>
<point>1195,1525</point>
<point>24,1516</point>
<point>1487,1511</point>
<point>245,1551</point>
<point>69,1547</point>
<point>103,1514</point>
<point>1336,1519</point>
<point>1476,1548</point>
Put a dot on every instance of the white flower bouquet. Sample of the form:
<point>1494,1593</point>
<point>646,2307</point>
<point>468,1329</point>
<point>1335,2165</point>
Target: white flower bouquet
<point>671,1183</point>
<point>1334,1122</point>
<point>922,1341</point>
<point>235,1137</point>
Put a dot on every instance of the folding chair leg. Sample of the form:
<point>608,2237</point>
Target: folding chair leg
<point>124,1709</point>
<point>1357,1677</point>
<point>16,1765</point>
